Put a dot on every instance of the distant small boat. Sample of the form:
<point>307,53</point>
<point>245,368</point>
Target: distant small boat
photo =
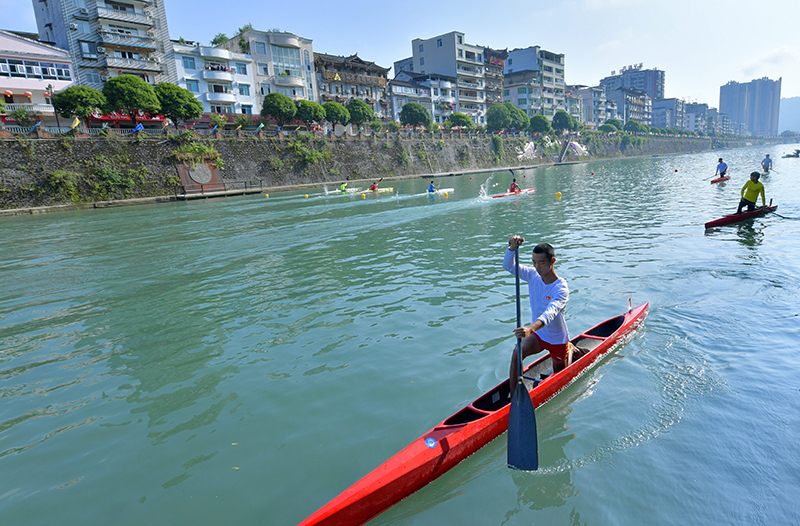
<point>794,155</point>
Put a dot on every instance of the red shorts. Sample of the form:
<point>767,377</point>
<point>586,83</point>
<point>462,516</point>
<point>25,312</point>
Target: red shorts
<point>558,351</point>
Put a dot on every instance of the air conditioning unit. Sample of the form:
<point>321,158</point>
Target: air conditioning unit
<point>151,33</point>
<point>101,49</point>
<point>103,78</point>
<point>84,11</point>
<point>73,25</point>
<point>146,12</point>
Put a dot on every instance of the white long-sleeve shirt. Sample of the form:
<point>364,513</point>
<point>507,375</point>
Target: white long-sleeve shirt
<point>548,302</point>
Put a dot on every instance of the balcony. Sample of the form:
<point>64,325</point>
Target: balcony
<point>469,72</point>
<point>354,78</point>
<point>469,98</point>
<point>289,80</point>
<point>284,40</point>
<point>212,74</point>
<point>135,41</point>
<point>121,16</point>
<point>139,65</point>
<point>38,109</point>
<point>213,52</point>
<point>463,83</point>
<point>213,96</point>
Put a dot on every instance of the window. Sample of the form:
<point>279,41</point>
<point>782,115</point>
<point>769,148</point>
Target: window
<point>247,109</point>
<point>221,108</point>
<point>244,89</point>
<point>83,26</point>
<point>62,71</point>
<point>510,61</point>
<point>92,76</point>
<point>130,55</point>
<point>261,48</point>
<point>436,91</point>
<point>122,30</point>
<point>460,53</point>
<point>506,92</point>
<point>188,63</point>
<point>192,86</point>
<point>421,61</point>
<point>460,41</point>
<point>265,89</point>
<point>438,42</point>
<point>522,90</point>
<point>522,102</point>
<point>290,92</point>
<point>286,60</point>
<point>88,49</point>
<point>421,48</point>
<point>263,69</point>
<point>241,69</point>
<point>123,8</point>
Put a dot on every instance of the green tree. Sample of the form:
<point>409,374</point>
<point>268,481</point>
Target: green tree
<point>540,124</point>
<point>245,121</point>
<point>615,123</point>
<point>633,126</point>
<point>335,113</point>
<point>130,95</point>
<point>178,104</point>
<point>360,112</point>
<point>415,114</point>
<point>23,117</point>
<point>608,128</point>
<point>219,39</point>
<point>498,118</point>
<point>218,119</point>
<point>460,119</point>
<point>279,107</point>
<point>562,121</point>
<point>79,101</point>
<point>2,106</point>
<point>519,119</point>
<point>309,111</point>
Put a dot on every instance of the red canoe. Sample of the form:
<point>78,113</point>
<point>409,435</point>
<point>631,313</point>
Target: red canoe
<point>735,218</point>
<point>466,431</point>
<point>720,179</point>
<point>523,191</point>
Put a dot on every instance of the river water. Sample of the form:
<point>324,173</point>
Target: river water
<point>244,360</point>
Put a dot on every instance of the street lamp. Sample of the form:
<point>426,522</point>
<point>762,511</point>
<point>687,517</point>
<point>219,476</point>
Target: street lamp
<point>49,94</point>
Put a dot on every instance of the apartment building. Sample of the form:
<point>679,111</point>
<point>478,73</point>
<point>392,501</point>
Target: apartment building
<point>223,81</point>
<point>30,73</point>
<point>596,108</point>
<point>669,113</point>
<point>342,78</point>
<point>449,55</point>
<point>109,38</point>
<point>439,90</point>
<point>284,63</point>
<point>752,106</point>
<point>697,117</point>
<point>649,81</point>
<point>405,88</point>
<point>534,81</point>
<point>493,66</point>
<point>632,105</point>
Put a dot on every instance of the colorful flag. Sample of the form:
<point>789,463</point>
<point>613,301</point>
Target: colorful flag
<point>213,129</point>
<point>105,125</point>
<point>138,127</point>
<point>35,125</point>
<point>75,123</point>
<point>238,127</point>
<point>260,126</point>
<point>166,123</point>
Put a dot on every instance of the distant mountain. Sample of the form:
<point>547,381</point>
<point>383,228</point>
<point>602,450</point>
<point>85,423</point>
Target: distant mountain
<point>789,118</point>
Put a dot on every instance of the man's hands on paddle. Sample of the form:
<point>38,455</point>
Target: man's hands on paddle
<point>515,242</point>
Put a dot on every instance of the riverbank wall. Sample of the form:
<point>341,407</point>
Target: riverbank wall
<point>65,172</point>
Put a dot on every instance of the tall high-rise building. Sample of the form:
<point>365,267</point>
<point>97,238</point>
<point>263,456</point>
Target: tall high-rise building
<point>650,81</point>
<point>534,81</point>
<point>107,39</point>
<point>754,105</point>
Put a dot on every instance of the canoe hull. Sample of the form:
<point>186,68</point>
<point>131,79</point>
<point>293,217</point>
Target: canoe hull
<point>465,432</point>
<point>508,194</point>
<point>736,218</point>
<point>720,179</point>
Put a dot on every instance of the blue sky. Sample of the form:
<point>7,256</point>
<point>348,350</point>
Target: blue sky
<point>701,44</point>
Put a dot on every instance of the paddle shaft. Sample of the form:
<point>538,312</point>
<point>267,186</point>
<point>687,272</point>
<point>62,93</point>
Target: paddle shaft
<point>519,315</point>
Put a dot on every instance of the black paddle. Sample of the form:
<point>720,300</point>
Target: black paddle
<point>521,417</point>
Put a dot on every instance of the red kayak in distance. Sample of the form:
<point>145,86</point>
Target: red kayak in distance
<point>466,431</point>
<point>523,191</point>
<point>736,218</point>
<point>720,179</point>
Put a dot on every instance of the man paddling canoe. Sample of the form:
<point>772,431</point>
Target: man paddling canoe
<point>721,168</point>
<point>750,192</point>
<point>548,295</point>
<point>514,187</point>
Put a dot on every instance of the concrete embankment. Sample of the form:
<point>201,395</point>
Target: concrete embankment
<point>42,174</point>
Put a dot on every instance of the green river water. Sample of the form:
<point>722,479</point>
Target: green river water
<point>244,360</point>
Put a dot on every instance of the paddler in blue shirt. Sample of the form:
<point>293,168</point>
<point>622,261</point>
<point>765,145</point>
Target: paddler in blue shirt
<point>343,187</point>
<point>750,192</point>
<point>766,164</point>
<point>432,187</point>
<point>721,168</point>
<point>549,295</point>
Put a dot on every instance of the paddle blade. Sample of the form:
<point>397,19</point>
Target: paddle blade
<point>523,448</point>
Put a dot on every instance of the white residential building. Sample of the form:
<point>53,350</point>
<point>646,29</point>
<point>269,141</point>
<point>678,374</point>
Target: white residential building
<point>596,108</point>
<point>449,55</point>
<point>109,38</point>
<point>534,81</point>
<point>284,63</point>
<point>30,72</point>
<point>221,80</point>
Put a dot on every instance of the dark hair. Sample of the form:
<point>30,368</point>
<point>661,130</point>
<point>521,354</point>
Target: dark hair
<point>756,174</point>
<point>720,159</point>
<point>515,180</point>
<point>546,249</point>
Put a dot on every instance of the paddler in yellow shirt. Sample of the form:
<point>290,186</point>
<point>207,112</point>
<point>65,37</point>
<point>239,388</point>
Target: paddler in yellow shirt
<point>750,192</point>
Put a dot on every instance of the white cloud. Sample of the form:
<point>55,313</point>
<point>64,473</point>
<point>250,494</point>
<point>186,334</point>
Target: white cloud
<point>785,55</point>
